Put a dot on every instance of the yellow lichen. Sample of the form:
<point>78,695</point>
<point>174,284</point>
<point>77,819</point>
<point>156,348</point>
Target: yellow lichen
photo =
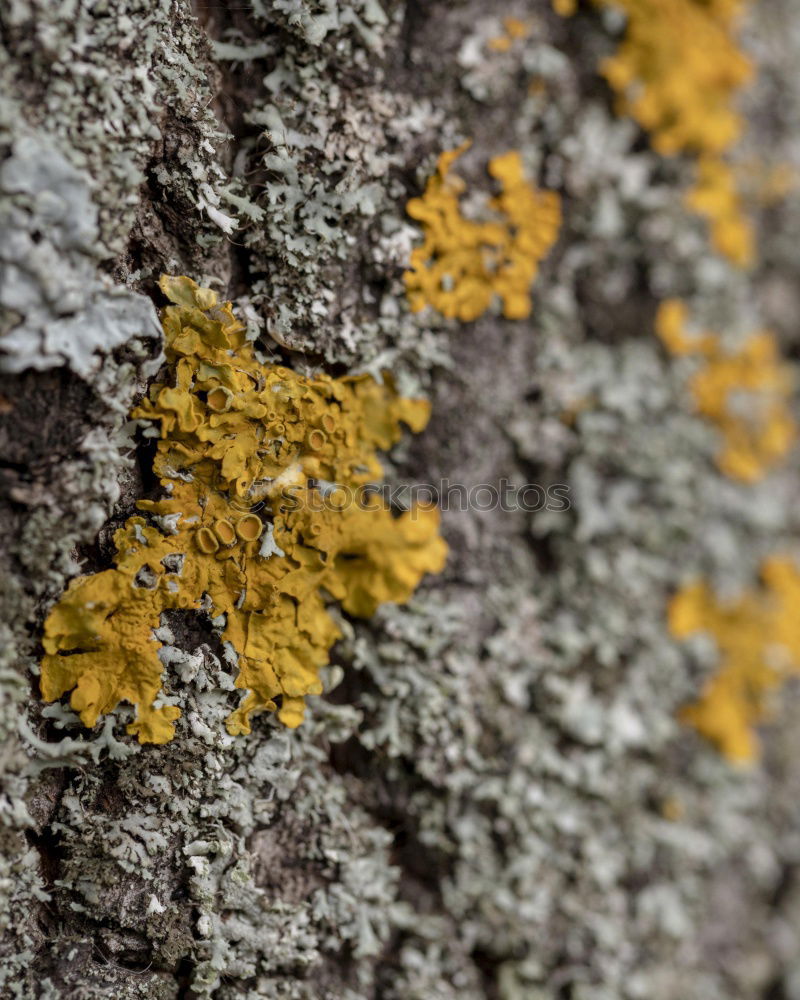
<point>265,520</point>
<point>758,642</point>
<point>672,809</point>
<point>716,196</point>
<point>745,393</point>
<point>513,30</point>
<point>463,264</point>
<point>677,72</point>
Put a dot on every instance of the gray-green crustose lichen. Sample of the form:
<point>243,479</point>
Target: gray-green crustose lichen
<point>93,344</point>
<point>331,199</point>
<point>116,82</point>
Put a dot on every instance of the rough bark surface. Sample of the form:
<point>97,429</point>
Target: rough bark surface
<point>493,798</point>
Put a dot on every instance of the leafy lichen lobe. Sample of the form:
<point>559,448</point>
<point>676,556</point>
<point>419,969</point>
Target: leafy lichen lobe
<point>265,516</point>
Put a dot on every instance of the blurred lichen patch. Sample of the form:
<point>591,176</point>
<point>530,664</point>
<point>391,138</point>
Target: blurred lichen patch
<point>716,196</point>
<point>677,72</point>
<point>263,523</point>
<point>514,30</point>
<point>744,393</point>
<point>463,264</point>
<point>757,637</point>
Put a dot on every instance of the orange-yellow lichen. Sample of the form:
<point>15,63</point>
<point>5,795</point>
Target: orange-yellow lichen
<point>513,30</point>
<point>463,264</point>
<point>677,72</point>
<point>744,393</point>
<point>249,456</point>
<point>716,196</point>
<point>758,641</point>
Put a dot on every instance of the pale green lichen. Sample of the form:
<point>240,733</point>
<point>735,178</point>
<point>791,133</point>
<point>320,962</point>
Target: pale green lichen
<point>331,198</point>
<point>113,84</point>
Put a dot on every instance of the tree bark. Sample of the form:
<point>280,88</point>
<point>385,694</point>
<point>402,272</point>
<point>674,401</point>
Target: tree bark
<point>493,798</point>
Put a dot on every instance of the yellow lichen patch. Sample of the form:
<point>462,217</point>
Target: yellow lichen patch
<point>758,642</point>
<point>463,264</point>
<point>249,457</point>
<point>671,326</point>
<point>677,72</point>
<point>744,393</point>
<point>672,809</point>
<point>715,195</point>
<point>513,30</point>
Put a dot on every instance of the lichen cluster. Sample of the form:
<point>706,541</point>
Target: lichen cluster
<point>328,156</point>
<point>715,195</point>
<point>463,264</point>
<point>245,450</point>
<point>514,30</point>
<point>757,636</point>
<point>745,393</point>
<point>677,72</point>
<point>112,115</point>
<point>499,798</point>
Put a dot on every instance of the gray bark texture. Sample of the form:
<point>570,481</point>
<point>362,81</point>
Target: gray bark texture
<point>493,798</point>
